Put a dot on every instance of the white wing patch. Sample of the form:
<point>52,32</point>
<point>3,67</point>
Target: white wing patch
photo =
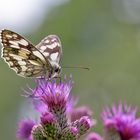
<point>15,46</point>
<point>46,54</point>
<point>8,36</point>
<point>39,55</point>
<point>17,57</point>
<point>14,43</point>
<point>34,62</point>
<point>23,42</point>
<point>54,56</point>
<point>52,46</point>
<point>20,62</point>
<point>43,48</point>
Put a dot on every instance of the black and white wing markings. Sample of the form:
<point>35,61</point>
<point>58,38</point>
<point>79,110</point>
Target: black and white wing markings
<point>51,48</point>
<point>21,55</point>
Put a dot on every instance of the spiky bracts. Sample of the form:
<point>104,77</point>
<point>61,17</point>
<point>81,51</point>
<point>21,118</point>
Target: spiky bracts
<point>53,101</point>
<point>120,123</point>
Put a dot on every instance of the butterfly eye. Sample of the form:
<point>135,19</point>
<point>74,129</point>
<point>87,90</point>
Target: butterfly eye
<point>57,69</point>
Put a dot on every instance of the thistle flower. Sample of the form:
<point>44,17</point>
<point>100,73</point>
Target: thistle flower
<point>121,122</point>
<point>56,97</point>
<point>53,101</point>
<point>24,129</point>
<point>93,136</point>
<point>83,124</point>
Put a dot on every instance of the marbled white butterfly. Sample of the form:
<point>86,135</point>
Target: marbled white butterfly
<point>28,60</point>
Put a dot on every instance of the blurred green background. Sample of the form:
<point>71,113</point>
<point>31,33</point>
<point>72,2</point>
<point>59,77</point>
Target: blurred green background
<point>103,35</point>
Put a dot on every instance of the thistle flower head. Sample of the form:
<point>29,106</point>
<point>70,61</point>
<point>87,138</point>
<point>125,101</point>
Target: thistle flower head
<point>122,120</point>
<point>55,105</point>
<point>54,95</point>
<point>24,129</point>
<point>83,124</point>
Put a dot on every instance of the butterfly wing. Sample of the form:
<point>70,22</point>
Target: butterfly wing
<point>21,55</point>
<point>51,48</point>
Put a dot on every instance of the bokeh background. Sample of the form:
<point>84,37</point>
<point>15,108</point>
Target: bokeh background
<point>101,34</point>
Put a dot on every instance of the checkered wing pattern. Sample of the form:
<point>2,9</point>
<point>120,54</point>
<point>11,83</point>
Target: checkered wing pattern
<point>51,48</point>
<point>21,55</point>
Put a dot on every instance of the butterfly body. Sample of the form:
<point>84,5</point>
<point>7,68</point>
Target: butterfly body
<point>28,60</point>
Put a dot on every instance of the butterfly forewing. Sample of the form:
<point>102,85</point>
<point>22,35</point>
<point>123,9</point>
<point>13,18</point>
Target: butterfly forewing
<point>51,48</point>
<point>22,56</point>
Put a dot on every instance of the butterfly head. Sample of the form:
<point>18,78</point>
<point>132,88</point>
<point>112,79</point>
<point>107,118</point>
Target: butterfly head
<point>56,70</point>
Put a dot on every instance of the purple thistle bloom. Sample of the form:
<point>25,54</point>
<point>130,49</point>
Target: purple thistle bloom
<point>58,118</point>
<point>93,136</point>
<point>24,129</point>
<point>53,94</point>
<point>122,120</point>
<point>77,113</point>
<point>83,124</point>
<point>47,118</point>
<point>55,97</point>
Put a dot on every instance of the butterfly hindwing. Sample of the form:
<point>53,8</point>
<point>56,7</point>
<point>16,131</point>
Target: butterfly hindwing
<point>21,55</point>
<point>51,48</point>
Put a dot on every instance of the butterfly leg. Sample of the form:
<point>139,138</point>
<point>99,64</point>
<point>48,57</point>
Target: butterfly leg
<point>58,79</point>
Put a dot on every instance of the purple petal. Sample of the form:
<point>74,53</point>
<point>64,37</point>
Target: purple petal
<point>25,128</point>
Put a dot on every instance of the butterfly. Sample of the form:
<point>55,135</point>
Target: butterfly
<point>28,60</point>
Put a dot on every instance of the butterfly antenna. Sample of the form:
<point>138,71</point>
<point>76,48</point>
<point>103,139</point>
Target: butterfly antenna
<point>77,67</point>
